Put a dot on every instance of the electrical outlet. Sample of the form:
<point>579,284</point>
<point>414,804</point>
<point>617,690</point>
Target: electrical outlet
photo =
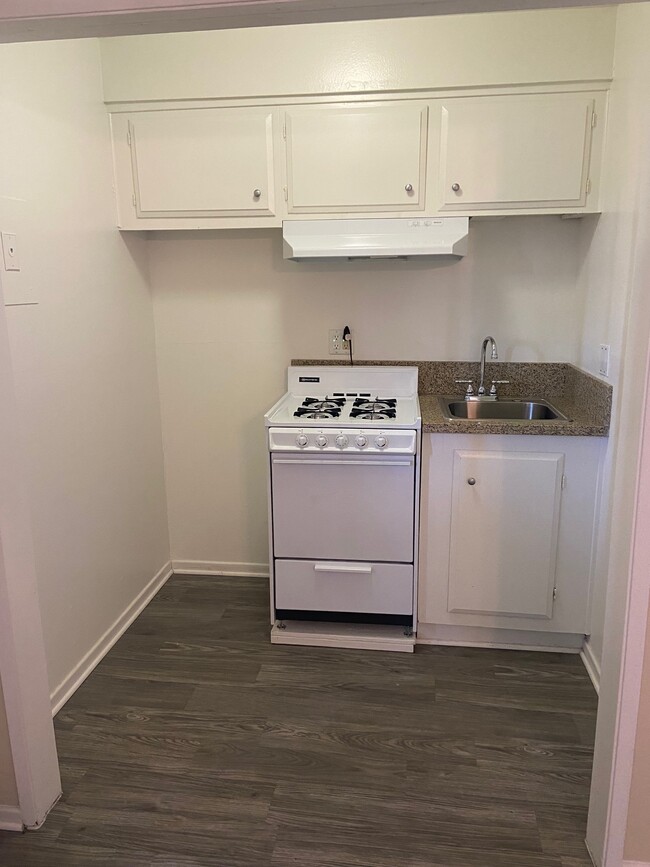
<point>604,359</point>
<point>337,346</point>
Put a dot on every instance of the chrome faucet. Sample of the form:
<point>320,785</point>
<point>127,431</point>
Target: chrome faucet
<point>481,393</point>
<point>494,356</point>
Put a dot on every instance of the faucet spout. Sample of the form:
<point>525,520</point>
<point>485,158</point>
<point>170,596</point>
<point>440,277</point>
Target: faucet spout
<point>494,356</point>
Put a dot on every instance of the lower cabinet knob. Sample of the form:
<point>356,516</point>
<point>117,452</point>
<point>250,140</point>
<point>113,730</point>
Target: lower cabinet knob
<point>471,481</point>
<point>455,187</point>
<point>321,441</point>
<point>341,441</point>
<point>257,193</point>
<point>301,441</point>
<point>381,442</point>
<point>361,441</point>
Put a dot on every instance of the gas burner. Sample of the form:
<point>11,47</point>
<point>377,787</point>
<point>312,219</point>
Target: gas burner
<point>315,411</point>
<point>372,415</point>
<point>384,405</point>
<point>326,403</point>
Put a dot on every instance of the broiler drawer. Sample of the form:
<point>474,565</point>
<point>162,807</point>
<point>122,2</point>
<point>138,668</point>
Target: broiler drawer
<point>335,585</point>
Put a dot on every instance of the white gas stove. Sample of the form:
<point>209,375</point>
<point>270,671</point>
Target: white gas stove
<point>343,507</point>
<point>347,409</point>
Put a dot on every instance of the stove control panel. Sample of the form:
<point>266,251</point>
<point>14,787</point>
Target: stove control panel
<point>343,440</point>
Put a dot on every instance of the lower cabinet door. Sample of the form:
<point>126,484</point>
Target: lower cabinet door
<point>504,533</point>
<point>319,585</point>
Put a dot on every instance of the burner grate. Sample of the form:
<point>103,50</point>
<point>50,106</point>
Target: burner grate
<point>372,415</point>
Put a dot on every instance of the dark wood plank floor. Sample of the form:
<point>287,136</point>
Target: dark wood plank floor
<point>196,743</point>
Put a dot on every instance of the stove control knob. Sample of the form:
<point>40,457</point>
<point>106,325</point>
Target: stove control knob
<point>381,442</point>
<point>341,441</point>
<point>302,441</point>
<point>361,442</point>
<point>321,441</point>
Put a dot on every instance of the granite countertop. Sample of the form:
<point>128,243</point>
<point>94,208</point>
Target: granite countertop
<point>584,399</point>
<point>580,423</point>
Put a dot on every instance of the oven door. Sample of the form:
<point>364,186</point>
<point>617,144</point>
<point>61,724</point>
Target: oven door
<point>340,507</point>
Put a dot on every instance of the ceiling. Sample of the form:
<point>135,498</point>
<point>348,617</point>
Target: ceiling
<point>29,20</point>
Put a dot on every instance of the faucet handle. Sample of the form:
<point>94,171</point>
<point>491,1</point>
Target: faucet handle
<point>469,392</point>
<point>495,382</point>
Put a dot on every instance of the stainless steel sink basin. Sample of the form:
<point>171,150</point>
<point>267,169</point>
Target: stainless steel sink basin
<point>504,410</point>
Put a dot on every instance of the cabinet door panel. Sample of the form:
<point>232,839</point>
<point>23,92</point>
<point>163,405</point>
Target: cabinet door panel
<point>202,162</point>
<point>515,151</point>
<point>356,158</point>
<point>504,530</point>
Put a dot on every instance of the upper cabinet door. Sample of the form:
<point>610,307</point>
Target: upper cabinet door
<point>514,152</point>
<point>197,163</point>
<point>356,158</point>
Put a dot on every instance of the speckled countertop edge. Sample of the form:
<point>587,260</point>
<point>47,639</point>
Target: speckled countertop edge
<point>584,399</point>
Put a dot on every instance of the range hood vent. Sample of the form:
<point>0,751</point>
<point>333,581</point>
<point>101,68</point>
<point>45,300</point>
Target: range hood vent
<point>375,239</point>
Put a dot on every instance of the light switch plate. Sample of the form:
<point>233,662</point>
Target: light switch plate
<point>10,251</point>
<point>16,252</point>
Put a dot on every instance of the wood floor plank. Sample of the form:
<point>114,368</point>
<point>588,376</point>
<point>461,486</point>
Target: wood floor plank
<point>197,743</point>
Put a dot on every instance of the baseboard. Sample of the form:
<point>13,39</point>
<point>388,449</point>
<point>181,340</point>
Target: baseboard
<point>80,672</point>
<point>593,670</point>
<point>11,819</point>
<point>636,864</point>
<point>211,567</point>
<point>502,639</point>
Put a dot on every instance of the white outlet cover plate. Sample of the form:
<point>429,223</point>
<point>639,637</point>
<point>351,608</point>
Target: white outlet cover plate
<point>604,359</point>
<point>337,346</point>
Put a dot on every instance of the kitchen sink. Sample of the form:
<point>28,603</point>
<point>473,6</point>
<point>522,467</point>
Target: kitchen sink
<point>504,410</point>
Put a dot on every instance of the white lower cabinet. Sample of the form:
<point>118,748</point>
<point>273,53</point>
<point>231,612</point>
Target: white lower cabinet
<point>507,531</point>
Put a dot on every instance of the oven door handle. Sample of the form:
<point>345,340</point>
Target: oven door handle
<point>353,568</point>
<point>309,462</point>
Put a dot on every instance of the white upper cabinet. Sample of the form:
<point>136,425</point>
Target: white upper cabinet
<point>517,152</point>
<point>356,158</point>
<point>189,165</point>
<point>253,166</point>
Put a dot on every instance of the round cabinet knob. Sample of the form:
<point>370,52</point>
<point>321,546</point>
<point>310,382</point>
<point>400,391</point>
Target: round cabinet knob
<point>471,481</point>
<point>455,188</point>
<point>341,441</point>
<point>321,441</point>
<point>301,441</point>
<point>257,193</point>
<point>381,442</point>
<point>409,188</point>
<point>361,441</point>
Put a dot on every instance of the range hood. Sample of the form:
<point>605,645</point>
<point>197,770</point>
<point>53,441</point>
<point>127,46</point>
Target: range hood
<point>376,238</point>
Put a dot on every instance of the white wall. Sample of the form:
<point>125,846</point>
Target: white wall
<point>609,253</point>
<point>231,314</point>
<point>8,792</point>
<point>84,358</point>
<point>551,45</point>
<point>618,308</point>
